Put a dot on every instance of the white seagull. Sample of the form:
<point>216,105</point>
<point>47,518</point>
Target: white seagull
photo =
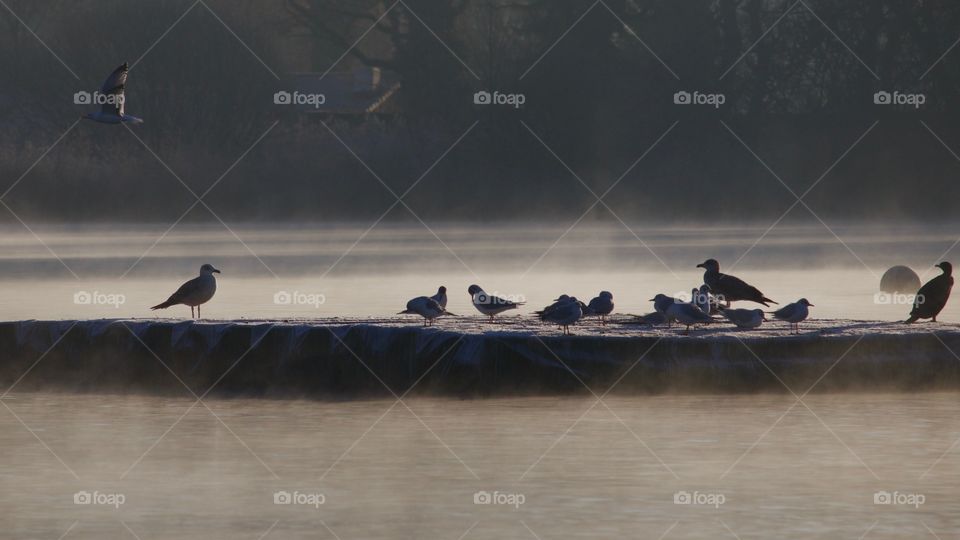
<point>744,318</point>
<point>490,305</point>
<point>426,307</point>
<point>441,296</point>
<point>687,314</point>
<point>601,306</point>
<point>565,311</point>
<point>198,290</point>
<point>114,99</point>
<point>794,313</point>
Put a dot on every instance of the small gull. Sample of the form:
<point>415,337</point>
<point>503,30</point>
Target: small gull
<point>441,296</point>
<point>687,314</point>
<point>195,292</point>
<point>933,296</point>
<point>601,306</point>
<point>744,318</point>
<point>730,288</point>
<point>490,305</point>
<point>565,311</point>
<point>426,307</point>
<point>114,96</point>
<point>794,313</point>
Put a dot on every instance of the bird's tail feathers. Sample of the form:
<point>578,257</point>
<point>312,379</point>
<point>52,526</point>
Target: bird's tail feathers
<point>911,320</point>
<point>404,312</point>
<point>164,305</point>
<point>765,300</point>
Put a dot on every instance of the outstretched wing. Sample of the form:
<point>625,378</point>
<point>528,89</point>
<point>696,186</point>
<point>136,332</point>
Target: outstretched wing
<point>113,88</point>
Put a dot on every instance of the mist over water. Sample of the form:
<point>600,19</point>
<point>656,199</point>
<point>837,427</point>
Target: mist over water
<point>313,271</point>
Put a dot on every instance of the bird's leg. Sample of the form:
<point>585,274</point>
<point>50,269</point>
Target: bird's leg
<point>934,319</point>
<point>191,313</point>
<point>198,313</point>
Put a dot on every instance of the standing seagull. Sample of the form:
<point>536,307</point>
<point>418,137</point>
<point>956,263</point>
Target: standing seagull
<point>441,297</point>
<point>794,313</point>
<point>112,92</point>
<point>687,314</point>
<point>428,308</point>
<point>198,290</point>
<point>730,288</point>
<point>601,306</point>
<point>490,305</point>
<point>565,311</point>
<point>932,297</point>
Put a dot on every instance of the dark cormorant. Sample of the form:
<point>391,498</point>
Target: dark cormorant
<point>933,295</point>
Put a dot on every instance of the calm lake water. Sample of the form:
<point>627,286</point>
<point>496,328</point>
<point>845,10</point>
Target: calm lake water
<point>347,271</point>
<point>754,467</point>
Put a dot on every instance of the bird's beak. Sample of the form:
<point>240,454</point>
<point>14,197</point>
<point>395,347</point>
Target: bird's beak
<point>701,265</point>
<point>215,270</point>
<point>653,300</point>
<point>811,305</point>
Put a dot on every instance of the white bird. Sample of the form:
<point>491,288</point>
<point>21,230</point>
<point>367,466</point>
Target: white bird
<point>794,313</point>
<point>490,305</point>
<point>441,297</point>
<point>195,292</point>
<point>661,302</point>
<point>744,318</point>
<point>601,306</point>
<point>687,314</point>
<point>426,307</point>
<point>113,95</point>
<point>565,311</point>
<point>704,300</point>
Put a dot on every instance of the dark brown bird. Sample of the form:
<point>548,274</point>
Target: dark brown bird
<point>932,297</point>
<point>730,288</point>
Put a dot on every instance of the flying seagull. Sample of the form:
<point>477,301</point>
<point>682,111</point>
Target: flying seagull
<point>490,305</point>
<point>932,297</point>
<point>794,313</point>
<point>601,306</point>
<point>198,290</point>
<point>729,288</point>
<point>113,96</point>
<point>426,307</point>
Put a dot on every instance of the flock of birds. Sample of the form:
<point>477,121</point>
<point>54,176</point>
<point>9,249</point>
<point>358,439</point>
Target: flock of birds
<point>712,298</point>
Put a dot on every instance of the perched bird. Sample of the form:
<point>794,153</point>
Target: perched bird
<point>744,318</point>
<point>687,314</point>
<point>703,299</point>
<point>650,319</point>
<point>490,305</point>
<point>729,288</point>
<point>661,302</point>
<point>601,306</point>
<point>565,311</point>
<point>198,290</point>
<point>426,307</point>
<point>794,313</point>
<point>113,95</point>
<point>441,297</point>
<point>932,297</point>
